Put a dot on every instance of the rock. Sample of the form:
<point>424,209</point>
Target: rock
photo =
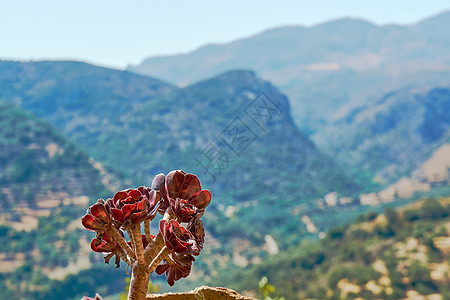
<point>203,292</point>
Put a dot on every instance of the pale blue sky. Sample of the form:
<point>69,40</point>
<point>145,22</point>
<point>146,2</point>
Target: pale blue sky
<point>116,33</point>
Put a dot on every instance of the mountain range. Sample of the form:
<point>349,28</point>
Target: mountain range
<point>392,136</point>
<point>367,109</point>
<point>325,70</point>
<point>235,131</point>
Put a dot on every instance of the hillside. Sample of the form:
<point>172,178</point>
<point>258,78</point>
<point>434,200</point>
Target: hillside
<point>38,164</point>
<point>81,100</point>
<point>392,136</point>
<point>158,128</point>
<point>323,69</point>
<point>272,187</point>
<point>401,254</point>
<point>46,182</point>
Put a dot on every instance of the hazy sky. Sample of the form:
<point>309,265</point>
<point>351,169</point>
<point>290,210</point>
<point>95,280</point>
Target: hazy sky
<point>116,33</point>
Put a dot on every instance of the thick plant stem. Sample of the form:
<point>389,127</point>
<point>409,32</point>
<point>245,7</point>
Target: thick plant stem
<point>119,239</point>
<point>138,245</point>
<point>161,256</point>
<point>139,283</point>
<point>152,250</point>
<point>147,230</point>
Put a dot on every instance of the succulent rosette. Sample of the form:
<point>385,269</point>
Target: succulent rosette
<point>183,209</point>
<point>177,238</point>
<point>183,193</point>
<point>133,205</point>
<point>179,267</point>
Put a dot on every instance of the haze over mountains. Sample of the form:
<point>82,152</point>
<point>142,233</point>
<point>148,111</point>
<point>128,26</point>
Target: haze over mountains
<point>327,69</point>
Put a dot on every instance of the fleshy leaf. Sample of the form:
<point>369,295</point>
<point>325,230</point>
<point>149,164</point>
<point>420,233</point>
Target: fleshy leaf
<point>121,195</point>
<point>174,181</point>
<point>135,194</point>
<point>98,211</point>
<point>90,223</point>
<point>127,210</point>
<point>191,186</point>
<point>202,200</point>
<point>117,215</point>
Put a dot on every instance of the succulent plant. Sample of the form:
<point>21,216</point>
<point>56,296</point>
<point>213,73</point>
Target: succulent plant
<point>179,197</point>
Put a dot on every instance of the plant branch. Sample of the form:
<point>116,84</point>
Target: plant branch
<point>158,259</point>
<point>152,250</point>
<point>127,228</point>
<point>123,256</point>
<point>120,240</point>
<point>136,236</point>
<point>147,230</point>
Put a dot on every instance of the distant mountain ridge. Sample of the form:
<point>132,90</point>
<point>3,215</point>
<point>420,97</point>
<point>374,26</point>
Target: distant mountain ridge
<point>392,136</point>
<point>333,66</point>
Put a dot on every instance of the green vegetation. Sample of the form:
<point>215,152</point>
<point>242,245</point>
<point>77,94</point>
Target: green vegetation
<point>158,127</point>
<point>354,254</point>
<point>38,164</point>
<point>57,247</point>
<point>142,127</point>
<point>36,160</point>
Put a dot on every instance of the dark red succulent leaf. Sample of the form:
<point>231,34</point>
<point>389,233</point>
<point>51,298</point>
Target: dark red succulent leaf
<point>128,210</point>
<point>90,223</point>
<point>174,181</point>
<point>177,238</point>
<point>104,243</point>
<point>153,198</point>
<point>138,217</point>
<point>191,187</point>
<point>109,204</point>
<point>117,215</point>
<point>159,186</point>
<point>120,195</point>
<point>99,212</point>
<point>180,267</point>
<point>100,246</point>
<point>135,194</point>
<point>202,200</point>
<point>145,191</point>
<point>142,205</point>
<point>162,268</point>
<point>179,184</point>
